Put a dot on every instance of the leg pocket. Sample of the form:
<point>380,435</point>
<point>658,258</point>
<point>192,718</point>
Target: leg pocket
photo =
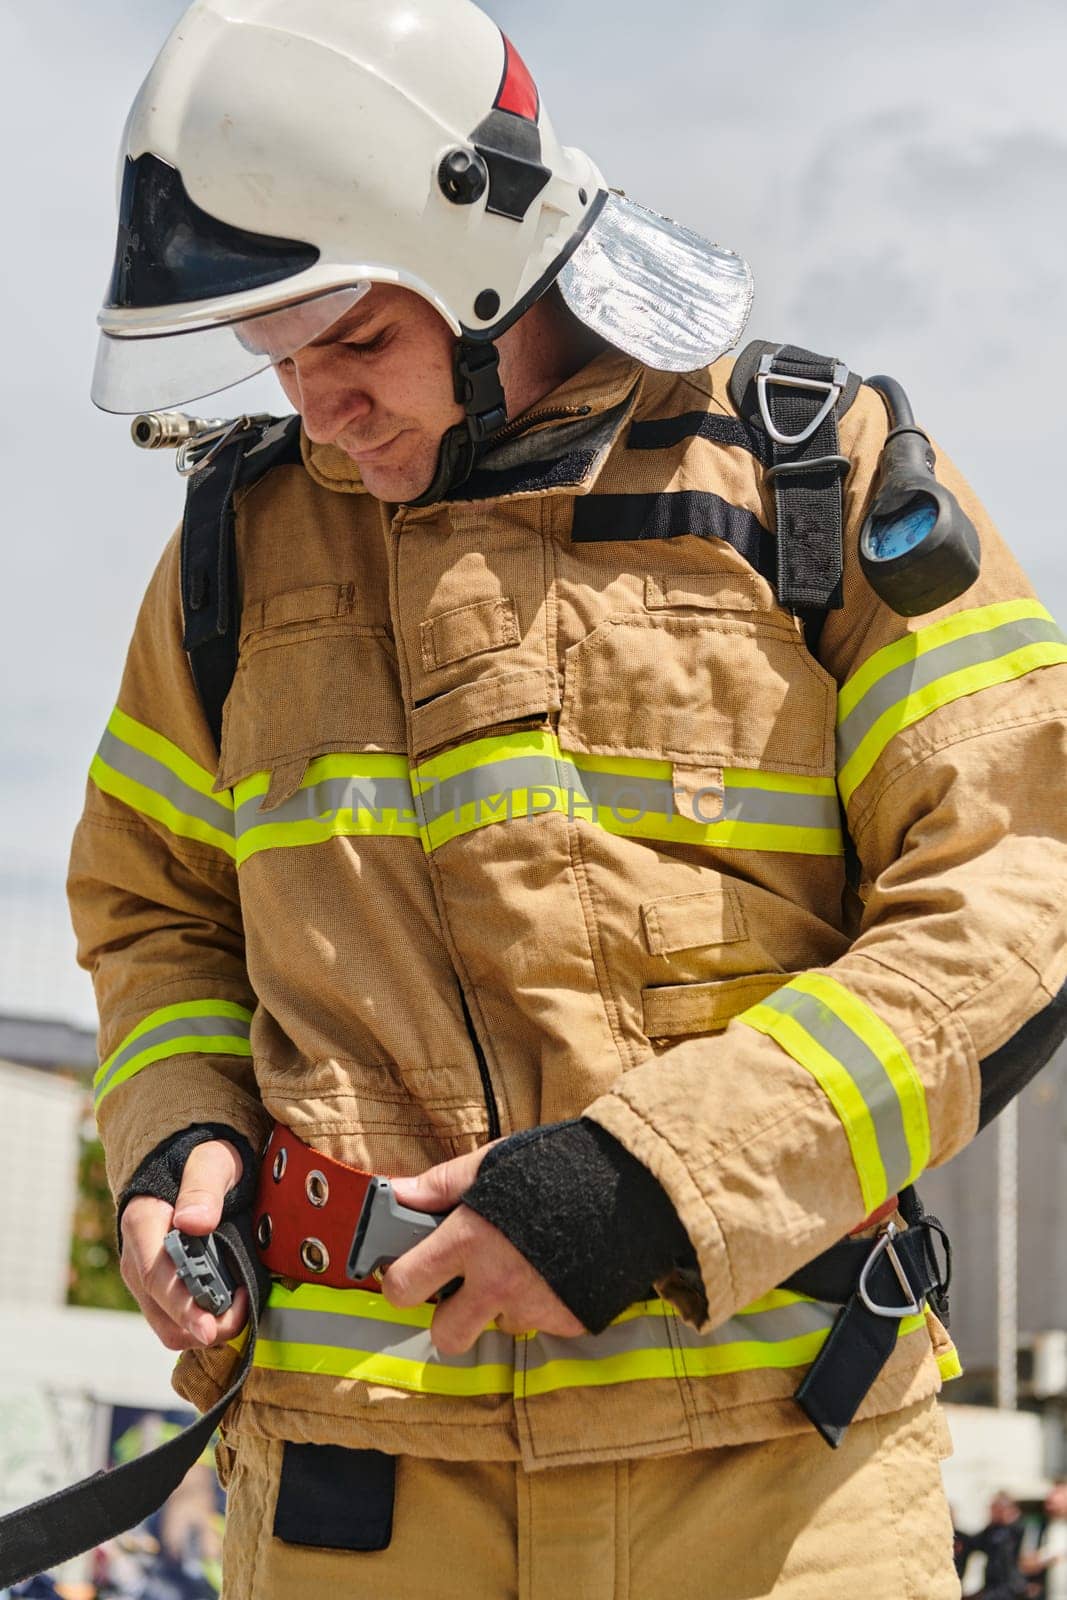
<point>336,1499</point>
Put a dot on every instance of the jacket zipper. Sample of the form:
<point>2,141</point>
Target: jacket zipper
<point>491,1107</point>
<point>514,430</point>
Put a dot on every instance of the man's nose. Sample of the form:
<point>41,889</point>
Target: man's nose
<point>329,400</point>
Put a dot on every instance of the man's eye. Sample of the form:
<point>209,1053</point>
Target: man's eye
<point>366,347</point>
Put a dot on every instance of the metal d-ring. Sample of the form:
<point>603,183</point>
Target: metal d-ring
<point>884,1246</point>
<point>832,390</point>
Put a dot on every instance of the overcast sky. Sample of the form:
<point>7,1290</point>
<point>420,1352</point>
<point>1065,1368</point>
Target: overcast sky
<point>895,171</point>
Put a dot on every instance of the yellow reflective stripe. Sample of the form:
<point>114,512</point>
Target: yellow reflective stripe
<point>417,1377</point>
<point>959,626</point>
<point>367,763</point>
<point>774,1300</point>
<point>647,812</point>
<point>160,809</point>
<point>883,1043</point>
<point>839,1089</point>
<point>336,786</point>
<point>865,1072</point>
<point>677,829</point>
<point>193,1044</point>
<point>949,1365</point>
<point>153,744</point>
<point>365,1303</point>
<point>339,825</point>
<point>194,1027</point>
<point>526,775</point>
<point>955,686</point>
<point>1003,648</point>
<point>691,1361</point>
<point>487,753</point>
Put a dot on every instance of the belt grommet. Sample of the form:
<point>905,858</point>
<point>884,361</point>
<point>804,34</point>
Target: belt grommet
<point>317,1188</point>
<point>314,1255</point>
<point>264,1231</point>
<point>280,1160</point>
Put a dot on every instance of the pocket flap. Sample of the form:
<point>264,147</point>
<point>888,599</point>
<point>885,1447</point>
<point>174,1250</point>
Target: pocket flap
<point>313,603</point>
<point>687,921</point>
<point>714,691</point>
<point>710,591</point>
<point>682,1008</point>
<point>468,631</point>
<point>297,695</point>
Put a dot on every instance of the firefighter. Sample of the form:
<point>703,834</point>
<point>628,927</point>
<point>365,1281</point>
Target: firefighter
<point>650,907</point>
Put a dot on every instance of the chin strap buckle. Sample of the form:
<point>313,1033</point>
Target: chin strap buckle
<point>478,388</point>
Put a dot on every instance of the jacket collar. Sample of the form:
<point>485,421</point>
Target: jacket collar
<point>557,446</point>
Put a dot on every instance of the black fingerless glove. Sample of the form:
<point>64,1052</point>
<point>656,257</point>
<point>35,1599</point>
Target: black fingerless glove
<point>160,1173</point>
<point>585,1213</point>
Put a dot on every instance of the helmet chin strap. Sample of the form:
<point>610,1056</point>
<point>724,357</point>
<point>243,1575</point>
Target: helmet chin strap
<point>479,391</point>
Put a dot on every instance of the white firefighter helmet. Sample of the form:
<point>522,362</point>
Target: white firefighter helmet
<point>284,155</point>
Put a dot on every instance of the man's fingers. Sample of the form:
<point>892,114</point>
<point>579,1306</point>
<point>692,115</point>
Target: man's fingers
<point>426,1268</point>
<point>441,1187</point>
<point>461,1319</point>
<point>145,1224</point>
<point>210,1173</point>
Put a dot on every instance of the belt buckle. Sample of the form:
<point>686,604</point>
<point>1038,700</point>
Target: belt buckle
<point>884,1247</point>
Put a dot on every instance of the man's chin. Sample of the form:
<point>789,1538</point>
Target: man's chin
<point>396,481</point>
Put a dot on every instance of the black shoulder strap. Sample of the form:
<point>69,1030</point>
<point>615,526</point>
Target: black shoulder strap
<point>210,597</point>
<point>794,398</point>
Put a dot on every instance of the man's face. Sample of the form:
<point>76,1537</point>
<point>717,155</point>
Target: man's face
<point>379,385</point>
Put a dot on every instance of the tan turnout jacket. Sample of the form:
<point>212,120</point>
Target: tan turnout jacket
<point>552,755</point>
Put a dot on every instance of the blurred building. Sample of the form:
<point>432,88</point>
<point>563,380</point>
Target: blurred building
<point>965,1195</point>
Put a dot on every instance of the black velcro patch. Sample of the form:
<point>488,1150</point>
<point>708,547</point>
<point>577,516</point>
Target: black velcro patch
<point>335,1499</point>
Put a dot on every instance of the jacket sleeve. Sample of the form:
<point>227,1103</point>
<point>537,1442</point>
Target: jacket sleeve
<point>778,1136</point>
<point>154,900</point>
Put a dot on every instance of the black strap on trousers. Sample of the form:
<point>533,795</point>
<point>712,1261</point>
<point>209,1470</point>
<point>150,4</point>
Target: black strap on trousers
<point>100,1507</point>
<point>877,1283</point>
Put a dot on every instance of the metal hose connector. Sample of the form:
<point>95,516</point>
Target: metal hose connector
<point>165,430</point>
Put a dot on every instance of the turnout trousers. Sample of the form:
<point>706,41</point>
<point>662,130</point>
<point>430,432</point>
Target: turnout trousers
<point>786,1518</point>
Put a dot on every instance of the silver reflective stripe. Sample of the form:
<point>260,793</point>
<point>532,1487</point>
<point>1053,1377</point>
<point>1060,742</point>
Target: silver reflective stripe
<point>666,1332</point>
<point>916,673</point>
<point>661,1331</point>
<point>784,809</point>
<point>340,1331</point>
<point>867,1072</point>
<point>326,798</point>
<point>152,774</point>
<point>179,1028</point>
<point>623,793</point>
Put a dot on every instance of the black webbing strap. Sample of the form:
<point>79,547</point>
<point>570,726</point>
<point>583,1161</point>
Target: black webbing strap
<point>78,1518</point>
<point>209,580</point>
<point>862,1339</point>
<point>784,390</point>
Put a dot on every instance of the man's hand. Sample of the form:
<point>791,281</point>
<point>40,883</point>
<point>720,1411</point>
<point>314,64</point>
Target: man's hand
<point>499,1284</point>
<point>148,1272</point>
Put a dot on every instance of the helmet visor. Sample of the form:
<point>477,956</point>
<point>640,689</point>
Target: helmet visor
<point>151,371</point>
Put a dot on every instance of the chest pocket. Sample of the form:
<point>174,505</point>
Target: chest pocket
<point>702,691</point>
<point>311,683</point>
